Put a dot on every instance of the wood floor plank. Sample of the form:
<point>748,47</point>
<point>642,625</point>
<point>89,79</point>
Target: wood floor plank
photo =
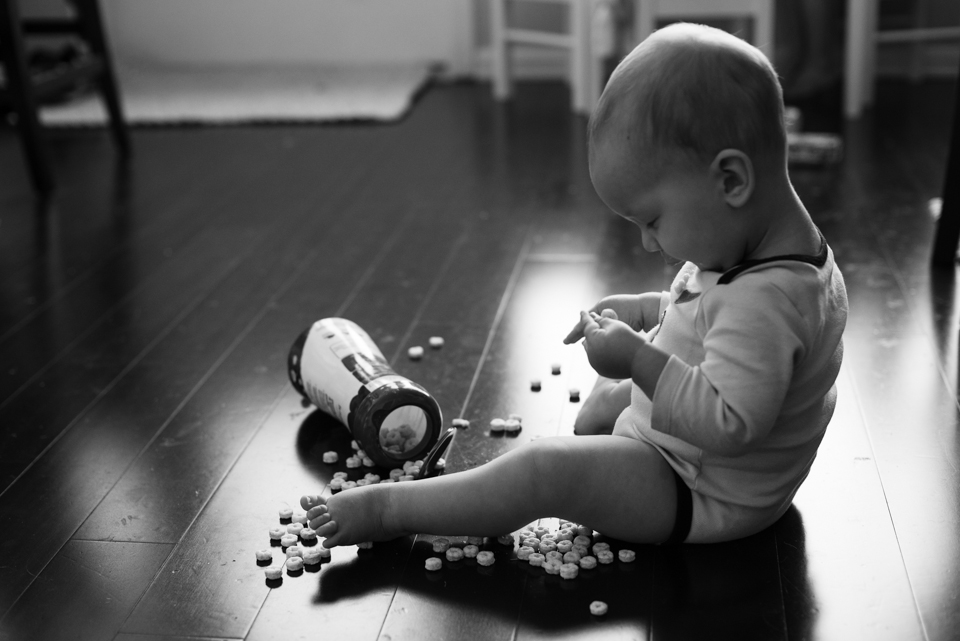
<point>167,195</point>
<point>178,364</point>
<point>154,299</point>
<point>95,364</point>
<point>386,321</point>
<point>460,312</point>
<point>119,268</point>
<point>908,398</point>
<point>91,590</point>
<point>723,591</point>
<point>842,572</point>
<point>525,335</point>
<point>163,490</point>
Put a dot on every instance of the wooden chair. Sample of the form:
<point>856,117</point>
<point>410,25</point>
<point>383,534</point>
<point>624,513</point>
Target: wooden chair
<point>649,12</point>
<point>24,92</point>
<point>583,70</point>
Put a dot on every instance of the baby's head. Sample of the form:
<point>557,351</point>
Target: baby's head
<point>689,91</point>
<point>689,101</point>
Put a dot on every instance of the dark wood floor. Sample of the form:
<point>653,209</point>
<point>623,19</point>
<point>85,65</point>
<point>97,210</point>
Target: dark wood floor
<point>148,433</point>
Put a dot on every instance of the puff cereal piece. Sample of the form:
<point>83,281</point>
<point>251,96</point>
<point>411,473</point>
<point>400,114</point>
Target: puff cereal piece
<point>273,573</point>
<point>569,571</point>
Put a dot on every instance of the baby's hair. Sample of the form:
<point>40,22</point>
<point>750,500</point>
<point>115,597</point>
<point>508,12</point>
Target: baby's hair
<point>695,90</point>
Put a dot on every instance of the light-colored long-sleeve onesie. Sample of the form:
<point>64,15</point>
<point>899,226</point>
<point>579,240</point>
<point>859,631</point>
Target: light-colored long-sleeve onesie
<point>749,389</point>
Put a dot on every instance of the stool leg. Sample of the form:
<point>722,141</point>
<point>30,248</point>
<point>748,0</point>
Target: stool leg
<point>20,89</point>
<point>91,22</point>
<point>499,49</point>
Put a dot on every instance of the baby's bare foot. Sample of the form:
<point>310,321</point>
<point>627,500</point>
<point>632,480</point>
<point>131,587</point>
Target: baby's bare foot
<point>348,517</point>
<point>602,407</point>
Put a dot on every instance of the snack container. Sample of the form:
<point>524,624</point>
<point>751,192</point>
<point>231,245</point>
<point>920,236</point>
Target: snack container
<point>337,366</point>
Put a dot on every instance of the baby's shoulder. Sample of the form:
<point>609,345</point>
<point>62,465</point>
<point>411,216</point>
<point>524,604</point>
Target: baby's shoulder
<point>805,289</point>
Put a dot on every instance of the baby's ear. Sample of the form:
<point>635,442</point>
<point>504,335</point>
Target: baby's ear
<point>733,172</point>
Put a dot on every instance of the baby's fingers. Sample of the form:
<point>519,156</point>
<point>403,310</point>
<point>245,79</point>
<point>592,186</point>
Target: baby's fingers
<point>575,334</point>
<point>590,323</point>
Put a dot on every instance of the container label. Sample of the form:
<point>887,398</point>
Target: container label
<point>338,359</point>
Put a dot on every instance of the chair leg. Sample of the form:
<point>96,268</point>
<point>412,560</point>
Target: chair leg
<point>764,19</point>
<point>580,20</point>
<point>92,25</point>
<point>500,50</point>
<point>20,89</point>
<point>948,227</point>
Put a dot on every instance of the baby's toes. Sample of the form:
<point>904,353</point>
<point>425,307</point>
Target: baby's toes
<point>308,501</point>
<point>327,530</point>
<point>317,516</point>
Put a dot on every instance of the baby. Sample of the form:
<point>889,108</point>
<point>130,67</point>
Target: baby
<point>713,396</point>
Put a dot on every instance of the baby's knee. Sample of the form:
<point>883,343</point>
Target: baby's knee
<point>552,466</point>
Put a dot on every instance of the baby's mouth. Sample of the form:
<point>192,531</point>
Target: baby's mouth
<point>669,260</point>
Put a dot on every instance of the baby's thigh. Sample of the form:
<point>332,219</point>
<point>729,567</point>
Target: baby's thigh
<point>619,486</point>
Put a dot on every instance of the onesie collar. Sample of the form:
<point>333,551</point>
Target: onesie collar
<point>819,260</point>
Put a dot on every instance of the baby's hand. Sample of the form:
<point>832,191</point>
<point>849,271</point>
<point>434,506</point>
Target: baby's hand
<point>625,307</point>
<point>610,343</point>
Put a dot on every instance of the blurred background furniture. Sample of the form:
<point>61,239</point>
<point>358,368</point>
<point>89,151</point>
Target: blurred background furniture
<point>863,37</point>
<point>592,35</point>
<point>23,89</point>
<point>576,41</point>
<point>649,12</point>
<point>948,225</point>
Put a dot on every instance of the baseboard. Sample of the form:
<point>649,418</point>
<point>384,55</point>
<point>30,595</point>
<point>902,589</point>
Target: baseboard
<point>527,63</point>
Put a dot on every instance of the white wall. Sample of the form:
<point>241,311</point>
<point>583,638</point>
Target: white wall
<point>292,31</point>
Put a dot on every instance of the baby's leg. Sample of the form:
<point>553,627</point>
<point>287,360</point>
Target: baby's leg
<point>600,410</point>
<point>617,485</point>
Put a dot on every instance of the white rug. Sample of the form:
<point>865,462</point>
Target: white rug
<point>232,95</point>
